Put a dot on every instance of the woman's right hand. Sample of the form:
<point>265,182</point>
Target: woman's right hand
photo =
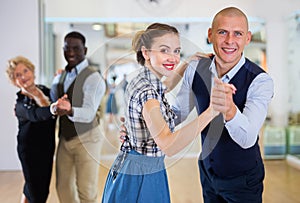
<point>213,111</point>
<point>198,56</point>
<point>24,88</point>
<point>171,81</point>
<point>58,71</point>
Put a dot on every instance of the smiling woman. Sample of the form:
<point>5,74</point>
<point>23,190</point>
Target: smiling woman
<point>35,119</point>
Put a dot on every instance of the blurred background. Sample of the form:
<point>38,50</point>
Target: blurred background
<point>35,29</point>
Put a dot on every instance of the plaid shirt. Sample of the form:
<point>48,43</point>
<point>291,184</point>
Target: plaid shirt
<point>144,86</point>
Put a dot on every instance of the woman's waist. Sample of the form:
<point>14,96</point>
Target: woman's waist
<point>151,152</point>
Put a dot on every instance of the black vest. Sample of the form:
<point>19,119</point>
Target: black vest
<point>219,152</point>
<point>67,128</point>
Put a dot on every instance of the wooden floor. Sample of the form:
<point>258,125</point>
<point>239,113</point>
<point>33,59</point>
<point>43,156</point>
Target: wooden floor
<point>282,183</point>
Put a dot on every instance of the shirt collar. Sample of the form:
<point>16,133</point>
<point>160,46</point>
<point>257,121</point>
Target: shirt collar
<point>82,65</point>
<point>156,82</point>
<point>228,76</point>
<point>79,67</point>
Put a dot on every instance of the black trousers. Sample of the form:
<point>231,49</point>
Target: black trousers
<point>246,188</point>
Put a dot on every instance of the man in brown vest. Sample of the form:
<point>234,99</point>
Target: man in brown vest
<point>78,91</point>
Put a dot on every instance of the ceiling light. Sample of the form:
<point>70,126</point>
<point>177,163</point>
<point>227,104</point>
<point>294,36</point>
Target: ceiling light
<point>97,26</point>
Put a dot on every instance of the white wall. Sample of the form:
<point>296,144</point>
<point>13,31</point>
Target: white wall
<point>19,36</point>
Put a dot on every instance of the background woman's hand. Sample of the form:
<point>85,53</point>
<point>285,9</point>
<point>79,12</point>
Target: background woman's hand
<point>35,93</point>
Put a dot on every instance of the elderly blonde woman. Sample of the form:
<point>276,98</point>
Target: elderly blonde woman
<point>36,130</point>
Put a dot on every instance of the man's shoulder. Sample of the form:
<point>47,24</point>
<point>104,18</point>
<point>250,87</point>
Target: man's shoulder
<point>253,67</point>
<point>56,78</point>
<point>88,71</point>
<point>204,63</point>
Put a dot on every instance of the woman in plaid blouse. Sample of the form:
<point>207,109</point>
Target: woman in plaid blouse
<point>138,173</point>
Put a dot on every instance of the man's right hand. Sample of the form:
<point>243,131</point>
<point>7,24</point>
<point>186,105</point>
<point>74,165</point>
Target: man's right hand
<point>63,106</point>
<point>222,99</point>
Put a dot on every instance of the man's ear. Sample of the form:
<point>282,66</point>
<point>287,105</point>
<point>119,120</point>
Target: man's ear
<point>249,36</point>
<point>209,33</point>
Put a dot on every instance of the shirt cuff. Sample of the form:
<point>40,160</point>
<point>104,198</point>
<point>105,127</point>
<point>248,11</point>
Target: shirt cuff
<point>233,121</point>
<point>53,108</point>
<point>72,117</point>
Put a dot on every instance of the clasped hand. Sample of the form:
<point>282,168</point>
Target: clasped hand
<point>63,106</point>
<point>222,99</point>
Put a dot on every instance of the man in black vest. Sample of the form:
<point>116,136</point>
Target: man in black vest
<point>230,164</point>
<point>78,91</point>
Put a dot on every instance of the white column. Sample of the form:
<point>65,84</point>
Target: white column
<point>277,66</point>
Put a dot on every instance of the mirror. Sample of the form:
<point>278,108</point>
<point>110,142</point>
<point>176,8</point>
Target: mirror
<point>109,46</point>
